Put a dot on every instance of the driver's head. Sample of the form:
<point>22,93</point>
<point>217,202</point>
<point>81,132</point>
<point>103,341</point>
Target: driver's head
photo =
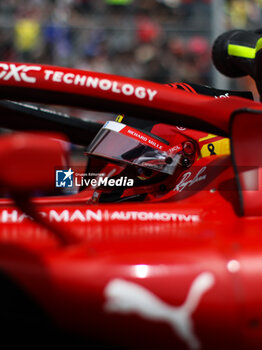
<point>151,154</point>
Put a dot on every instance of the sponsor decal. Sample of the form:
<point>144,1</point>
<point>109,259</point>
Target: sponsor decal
<point>97,83</point>
<point>18,73</point>
<point>25,73</point>
<point>175,149</point>
<point>143,138</point>
<point>140,136</point>
<point>99,215</point>
<point>127,297</point>
<point>187,180</point>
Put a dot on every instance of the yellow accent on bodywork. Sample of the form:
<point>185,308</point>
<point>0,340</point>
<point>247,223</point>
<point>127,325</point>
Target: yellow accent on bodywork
<point>209,136</point>
<point>119,118</point>
<point>244,51</point>
<point>221,147</point>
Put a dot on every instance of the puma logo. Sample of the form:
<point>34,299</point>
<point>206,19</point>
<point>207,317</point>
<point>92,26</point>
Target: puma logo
<point>128,297</point>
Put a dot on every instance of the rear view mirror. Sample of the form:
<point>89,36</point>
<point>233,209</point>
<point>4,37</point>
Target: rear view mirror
<point>28,161</point>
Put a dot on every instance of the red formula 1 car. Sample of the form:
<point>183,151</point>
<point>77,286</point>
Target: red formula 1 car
<point>159,243</point>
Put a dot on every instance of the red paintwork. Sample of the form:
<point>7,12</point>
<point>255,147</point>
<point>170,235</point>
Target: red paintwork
<point>20,151</point>
<point>177,238</point>
<point>164,101</point>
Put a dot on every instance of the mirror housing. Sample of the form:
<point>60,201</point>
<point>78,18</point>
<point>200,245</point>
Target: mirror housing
<point>28,161</point>
<point>246,129</point>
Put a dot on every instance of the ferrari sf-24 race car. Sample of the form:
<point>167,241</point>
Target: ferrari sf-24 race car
<point>156,242</point>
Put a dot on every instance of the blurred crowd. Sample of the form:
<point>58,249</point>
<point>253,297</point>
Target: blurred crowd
<point>156,40</point>
<point>244,13</point>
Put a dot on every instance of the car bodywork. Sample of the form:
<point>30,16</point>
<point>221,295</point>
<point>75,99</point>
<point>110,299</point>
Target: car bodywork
<point>184,272</point>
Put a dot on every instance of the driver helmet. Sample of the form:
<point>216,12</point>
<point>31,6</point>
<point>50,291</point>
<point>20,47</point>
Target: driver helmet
<point>148,156</point>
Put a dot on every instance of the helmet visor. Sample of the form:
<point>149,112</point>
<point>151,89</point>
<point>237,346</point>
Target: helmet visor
<point>121,143</point>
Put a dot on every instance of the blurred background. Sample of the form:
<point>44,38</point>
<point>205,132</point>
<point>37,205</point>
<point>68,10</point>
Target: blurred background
<point>157,40</point>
